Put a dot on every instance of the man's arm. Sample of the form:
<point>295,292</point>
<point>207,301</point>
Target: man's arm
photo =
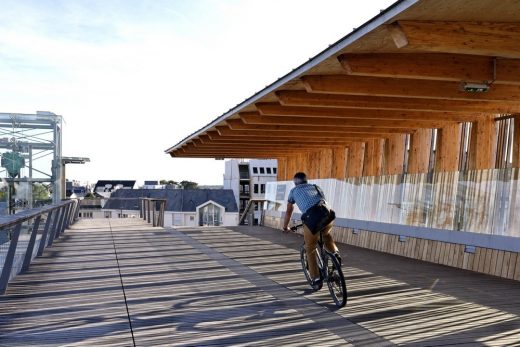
<point>288,214</point>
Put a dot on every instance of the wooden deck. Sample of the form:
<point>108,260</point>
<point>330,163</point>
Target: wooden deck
<point>120,282</point>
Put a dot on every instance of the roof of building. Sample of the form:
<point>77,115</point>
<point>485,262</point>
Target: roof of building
<point>416,65</point>
<point>111,184</point>
<point>177,200</point>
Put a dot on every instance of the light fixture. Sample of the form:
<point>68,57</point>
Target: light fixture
<point>471,87</point>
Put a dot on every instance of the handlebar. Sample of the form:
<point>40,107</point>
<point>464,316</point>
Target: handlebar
<point>294,228</point>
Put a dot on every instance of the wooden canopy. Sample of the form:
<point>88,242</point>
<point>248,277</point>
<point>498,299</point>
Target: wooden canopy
<point>401,73</point>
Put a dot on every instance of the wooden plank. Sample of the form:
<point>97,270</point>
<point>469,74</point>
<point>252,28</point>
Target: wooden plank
<point>394,153</point>
<point>356,157</point>
<point>303,98</point>
<point>479,38</point>
<point>513,262</point>
<point>448,148</point>
<point>339,162</point>
<point>274,109</point>
<point>400,87</point>
<point>505,264</point>
<point>373,158</point>
<point>419,155</point>
<point>434,66</point>
<point>516,142</point>
<point>483,144</point>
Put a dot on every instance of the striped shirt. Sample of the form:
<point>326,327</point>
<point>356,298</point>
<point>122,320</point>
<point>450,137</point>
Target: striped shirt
<point>305,196</point>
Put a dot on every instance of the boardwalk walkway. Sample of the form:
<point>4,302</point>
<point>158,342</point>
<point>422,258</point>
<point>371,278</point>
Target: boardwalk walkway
<point>120,282</point>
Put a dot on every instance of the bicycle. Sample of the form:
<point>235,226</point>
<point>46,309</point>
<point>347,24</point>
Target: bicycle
<point>330,270</point>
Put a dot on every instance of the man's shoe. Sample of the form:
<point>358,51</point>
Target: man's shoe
<point>316,284</point>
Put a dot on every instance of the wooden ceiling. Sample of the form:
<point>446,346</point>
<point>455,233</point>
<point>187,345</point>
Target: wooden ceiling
<point>400,72</point>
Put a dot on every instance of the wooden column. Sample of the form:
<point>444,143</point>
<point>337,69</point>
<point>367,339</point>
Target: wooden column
<point>483,144</point>
<point>325,166</point>
<point>419,155</point>
<point>516,141</point>
<point>447,155</point>
<point>282,168</point>
<point>373,160</point>
<point>395,147</point>
<point>314,165</point>
<point>339,163</point>
<point>356,154</point>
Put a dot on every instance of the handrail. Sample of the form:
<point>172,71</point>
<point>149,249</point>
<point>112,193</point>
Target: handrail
<point>58,218</point>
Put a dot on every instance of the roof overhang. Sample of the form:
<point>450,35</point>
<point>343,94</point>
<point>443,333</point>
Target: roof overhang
<point>416,65</point>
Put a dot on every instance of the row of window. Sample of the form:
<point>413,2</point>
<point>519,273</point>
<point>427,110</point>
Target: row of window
<point>85,215</point>
<point>262,188</point>
<point>263,171</point>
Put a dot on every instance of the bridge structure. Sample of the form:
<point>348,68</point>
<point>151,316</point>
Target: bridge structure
<point>124,282</point>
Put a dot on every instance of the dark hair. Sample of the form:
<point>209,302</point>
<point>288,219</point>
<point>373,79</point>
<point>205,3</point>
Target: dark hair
<point>300,178</point>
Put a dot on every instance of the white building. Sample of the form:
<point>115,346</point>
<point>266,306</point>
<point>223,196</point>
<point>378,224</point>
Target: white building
<point>248,180</point>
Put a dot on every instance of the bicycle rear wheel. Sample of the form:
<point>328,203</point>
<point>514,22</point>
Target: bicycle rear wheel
<point>336,280</point>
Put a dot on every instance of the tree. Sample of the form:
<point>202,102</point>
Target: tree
<point>40,192</point>
<point>189,185</point>
<point>168,182</point>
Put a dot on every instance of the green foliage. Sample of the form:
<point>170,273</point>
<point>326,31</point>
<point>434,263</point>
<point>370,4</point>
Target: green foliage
<point>89,195</point>
<point>189,185</point>
<point>168,182</point>
<point>40,192</point>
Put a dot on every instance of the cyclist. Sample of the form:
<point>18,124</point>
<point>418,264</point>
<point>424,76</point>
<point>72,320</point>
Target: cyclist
<point>305,196</point>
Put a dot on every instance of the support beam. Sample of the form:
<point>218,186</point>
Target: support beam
<point>478,38</point>
<point>373,160</point>
<point>395,148</point>
<point>448,148</point>
<point>225,131</point>
<point>333,101</point>
<point>400,87</point>
<point>433,66</point>
<point>399,124</point>
<point>238,124</point>
<point>274,109</point>
<point>281,173</point>
<point>419,155</point>
<point>483,144</point>
<point>356,157</point>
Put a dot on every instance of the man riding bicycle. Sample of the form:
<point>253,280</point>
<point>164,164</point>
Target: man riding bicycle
<point>307,197</point>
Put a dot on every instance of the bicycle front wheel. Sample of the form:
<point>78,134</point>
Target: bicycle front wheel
<point>305,265</point>
<point>336,280</point>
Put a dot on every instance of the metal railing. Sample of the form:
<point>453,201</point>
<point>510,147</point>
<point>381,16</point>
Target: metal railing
<point>22,238</point>
<point>152,211</point>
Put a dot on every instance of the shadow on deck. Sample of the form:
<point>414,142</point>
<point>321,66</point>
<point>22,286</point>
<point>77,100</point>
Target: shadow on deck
<point>123,282</point>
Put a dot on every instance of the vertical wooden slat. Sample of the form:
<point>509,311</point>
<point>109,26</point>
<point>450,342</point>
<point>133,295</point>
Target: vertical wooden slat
<point>339,163</point>
<point>483,144</point>
<point>419,156</point>
<point>394,149</point>
<point>448,148</point>
<point>356,155</point>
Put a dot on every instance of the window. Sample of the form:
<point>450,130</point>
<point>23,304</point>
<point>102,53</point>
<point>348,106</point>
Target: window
<point>256,206</point>
<point>246,188</point>
<point>255,188</point>
<point>108,214</point>
<point>262,171</point>
<point>192,218</point>
<point>255,170</point>
<point>262,189</point>
<point>268,170</point>
<point>274,170</point>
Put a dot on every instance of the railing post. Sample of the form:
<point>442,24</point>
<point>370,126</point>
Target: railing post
<point>141,213</point>
<point>8,264</point>
<point>163,208</point>
<point>43,240</point>
<point>55,223</point>
<point>63,220</point>
<point>76,214</point>
<point>30,246</point>
<point>148,209</point>
<point>154,207</point>
<point>67,217</point>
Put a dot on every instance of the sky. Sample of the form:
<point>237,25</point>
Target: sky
<point>132,78</point>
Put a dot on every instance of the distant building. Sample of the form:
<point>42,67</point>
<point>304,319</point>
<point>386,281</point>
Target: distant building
<point>247,180</point>
<point>183,207</point>
<point>104,188</point>
<point>73,189</point>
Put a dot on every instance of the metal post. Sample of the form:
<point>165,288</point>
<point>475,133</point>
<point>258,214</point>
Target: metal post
<point>65,219</point>
<point>70,214</point>
<point>30,246</point>
<point>55,224</point>
<point>76,214</point>
<point>163,208</point>
<point>148,209</point>
<point>45,233</point>
<point>8,265</point>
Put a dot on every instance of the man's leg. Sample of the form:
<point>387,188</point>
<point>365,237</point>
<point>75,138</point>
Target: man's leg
<point>311,241</point>
<point>328,240</point>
